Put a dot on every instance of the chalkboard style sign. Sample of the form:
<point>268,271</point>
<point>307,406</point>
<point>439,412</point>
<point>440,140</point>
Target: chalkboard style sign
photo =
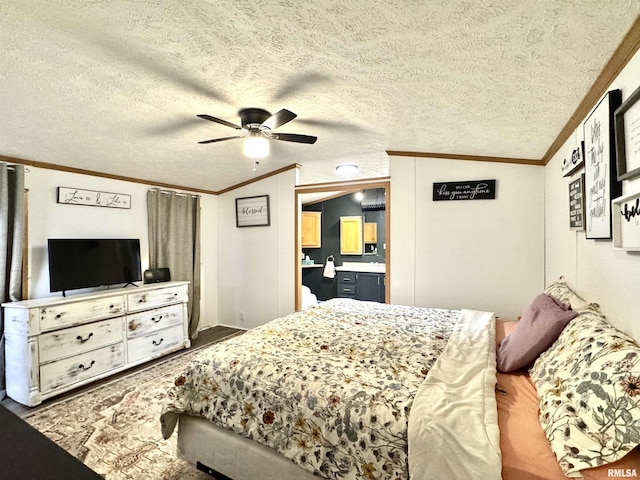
<point>576,203</point>
<point>469,190</point>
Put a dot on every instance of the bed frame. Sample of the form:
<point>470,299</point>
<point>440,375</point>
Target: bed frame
<point>216,451</point>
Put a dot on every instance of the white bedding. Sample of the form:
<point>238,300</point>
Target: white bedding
<point>453,427</point>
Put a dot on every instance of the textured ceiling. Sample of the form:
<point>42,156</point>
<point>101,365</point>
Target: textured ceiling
<point>114,86</point>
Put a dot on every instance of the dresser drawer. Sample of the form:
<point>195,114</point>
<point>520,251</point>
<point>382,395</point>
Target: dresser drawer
<point>151,320</point>
<point>156,298</point>
<point>154,344</point>
<point>347,277</point>
<point>60,374</point>
<point>80,339</point>
<point>346,290</point>
<point>58,316</point>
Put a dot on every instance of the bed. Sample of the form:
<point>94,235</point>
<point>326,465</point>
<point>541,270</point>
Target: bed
<point>360,390</point>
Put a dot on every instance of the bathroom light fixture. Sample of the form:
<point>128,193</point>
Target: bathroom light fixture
<point>359,196</point>
<point>347,170</point>
<point>256,146</point>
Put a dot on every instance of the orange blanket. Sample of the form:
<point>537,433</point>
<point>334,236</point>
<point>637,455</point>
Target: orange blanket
<point>526,454</point>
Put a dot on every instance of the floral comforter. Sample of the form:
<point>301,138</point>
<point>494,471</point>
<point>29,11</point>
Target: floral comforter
<point>330,387</point>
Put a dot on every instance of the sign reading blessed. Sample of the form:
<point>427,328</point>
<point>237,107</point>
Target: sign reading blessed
<point>469,190</point>
<point>76,196</point>
<point>252,211</point>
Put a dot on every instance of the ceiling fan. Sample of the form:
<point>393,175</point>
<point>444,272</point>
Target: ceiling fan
<point>257,127</point>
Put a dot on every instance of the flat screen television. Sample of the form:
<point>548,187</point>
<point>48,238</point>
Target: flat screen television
<point>92,262</point>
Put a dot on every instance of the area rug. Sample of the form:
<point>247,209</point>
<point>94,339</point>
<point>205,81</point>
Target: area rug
<point>115,428</point>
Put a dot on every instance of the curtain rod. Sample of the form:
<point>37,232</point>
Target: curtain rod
<point>169,192</point>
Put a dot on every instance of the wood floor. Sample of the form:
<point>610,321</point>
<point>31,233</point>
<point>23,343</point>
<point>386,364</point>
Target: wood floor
<point>205,337</point>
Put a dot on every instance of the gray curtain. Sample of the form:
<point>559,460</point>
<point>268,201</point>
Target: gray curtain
<point>11,245</point>
<point>174,242</point>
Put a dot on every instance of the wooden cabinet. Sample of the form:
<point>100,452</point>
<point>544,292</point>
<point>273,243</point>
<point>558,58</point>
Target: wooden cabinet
<point>370,232</point>
<point>311,229</point>
<point>351,240</point>
<point>56,344</point>
<point>370,287</point>
<point>362,286</point>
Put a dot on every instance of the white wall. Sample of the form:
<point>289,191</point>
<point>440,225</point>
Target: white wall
<point>479,254</point>
<point>256,264</point>
<point>49,219</point>
<point>592,267</point>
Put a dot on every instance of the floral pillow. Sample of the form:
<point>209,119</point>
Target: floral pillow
<point>588,382</point>
<point>563,293</point>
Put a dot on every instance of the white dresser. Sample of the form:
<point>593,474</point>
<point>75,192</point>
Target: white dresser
<point>56,344</point>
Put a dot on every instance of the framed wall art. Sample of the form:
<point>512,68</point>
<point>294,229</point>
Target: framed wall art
<point>576,203</point>
<point>601,184</point>
<point>574,163</point>
<point>626,222</point>
<point>92,198</point>
<point>627,124</point>
<point>252,211</point>
<point>468,190</point>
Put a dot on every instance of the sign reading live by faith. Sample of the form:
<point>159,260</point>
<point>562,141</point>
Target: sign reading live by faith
<point>469,190</point>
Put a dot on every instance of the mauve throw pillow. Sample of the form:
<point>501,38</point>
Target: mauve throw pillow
<point>539,327</point>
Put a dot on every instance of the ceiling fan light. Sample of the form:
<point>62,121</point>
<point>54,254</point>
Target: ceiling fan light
<point>347,170</point>
<point>256,146</point>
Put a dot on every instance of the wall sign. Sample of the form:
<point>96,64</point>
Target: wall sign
<point>252,211</point>
<point>576,203</point>
<point>575,162</point>
<point>469,190</point>
<point>627,120</point>
<point>626,222</point>
<point>600,174</point>
<point>77,196</point>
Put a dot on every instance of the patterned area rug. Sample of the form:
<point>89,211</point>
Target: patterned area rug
<point>115,428</point>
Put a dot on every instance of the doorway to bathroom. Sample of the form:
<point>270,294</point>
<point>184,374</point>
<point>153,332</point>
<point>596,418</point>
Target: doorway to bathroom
<point>343,228</point>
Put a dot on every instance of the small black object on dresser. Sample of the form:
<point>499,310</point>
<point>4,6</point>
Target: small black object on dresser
<point>157,275</point>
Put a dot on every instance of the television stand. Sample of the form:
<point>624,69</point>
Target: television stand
<point>130,283</point>
<point>55,344</point>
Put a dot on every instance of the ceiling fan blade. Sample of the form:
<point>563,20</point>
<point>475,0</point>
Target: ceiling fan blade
<point>335,124</point>
<point>221,139</point>
<point>220,121</point>
<point>298,83</point>
<point>278,119</point>
<point>293,137</point>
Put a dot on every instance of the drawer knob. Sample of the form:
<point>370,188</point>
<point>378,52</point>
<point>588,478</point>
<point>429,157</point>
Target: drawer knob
<point>82,340</point>
<point>158,342</point>
<point>156,319</point>
<point>58,316</point>
<point>82,367</point>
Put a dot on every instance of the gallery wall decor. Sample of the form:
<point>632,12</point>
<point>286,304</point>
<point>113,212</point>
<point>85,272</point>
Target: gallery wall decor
<point>576,203</point>
<point>601,184</point>
<point>626,222</point>
<point>627,125</point>
<point>77,196</point>
<point>252,211</point>
<point>575,162</point>
<point>467,190</point>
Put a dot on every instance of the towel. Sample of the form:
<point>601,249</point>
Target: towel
<point>329,268</point>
